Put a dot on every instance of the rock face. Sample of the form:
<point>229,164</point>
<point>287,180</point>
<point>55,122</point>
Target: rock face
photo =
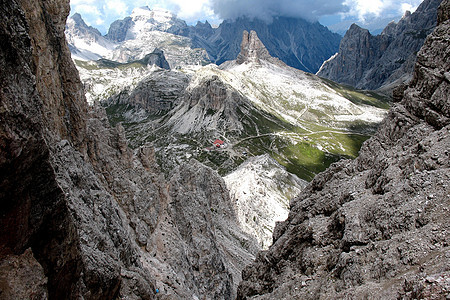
<point>82,216</point>
<point>117,32</point>
<point>86,42</point>
<point>156,58</point>
<point>158,93</point>
<point>298,43</point>
<point>261,189</point>
<point>253,50</point>
<point>375,227</point>
<point>370,62</point>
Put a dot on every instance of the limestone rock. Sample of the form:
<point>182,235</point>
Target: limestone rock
<point>371,62</point>
<point>298,43</point>
<point>375,227</point>
<point>91,210</point>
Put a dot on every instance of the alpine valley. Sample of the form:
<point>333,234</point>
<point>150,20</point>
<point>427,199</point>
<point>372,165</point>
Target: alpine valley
<point>154,85</point>
<point>167,161</point>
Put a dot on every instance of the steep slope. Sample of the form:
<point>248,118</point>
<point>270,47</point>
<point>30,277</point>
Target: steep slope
<point>82,216</point>
<point>261,189</point>
<point>370,62</point>
<point>86,42</point>
<point>148,29</point>
<point>104,78</point>
<point>375,227</point>
<point>300,44</point>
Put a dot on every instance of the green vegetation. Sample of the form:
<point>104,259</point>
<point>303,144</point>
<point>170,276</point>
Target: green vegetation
<point>305,149</point>
<point>360,97</point>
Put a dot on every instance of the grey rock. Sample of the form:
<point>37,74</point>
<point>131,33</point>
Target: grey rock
<point>297,42</point>
<point>157,93</point>
<point>369,228</point>
<point>92,210</point>
<point>118,29</point>
<point>156,58</point>
<point>372,62</point>
<point>252,49</point>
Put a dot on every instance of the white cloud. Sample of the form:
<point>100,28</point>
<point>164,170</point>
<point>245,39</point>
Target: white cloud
<point>363,9</point>
<point>407,6</point>
<point>96,11</point>
<point>118,7</point>
<point>78,2</point>
<point>87,9</point>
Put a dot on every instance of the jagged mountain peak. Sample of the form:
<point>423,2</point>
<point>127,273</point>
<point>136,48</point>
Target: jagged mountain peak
<point>252,47</point>
<point>253,50</point>
<point>386,60</point>
<point>146,13</point>
<point>86,42</point>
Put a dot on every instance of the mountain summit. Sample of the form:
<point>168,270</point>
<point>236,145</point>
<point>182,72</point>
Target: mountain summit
<point>252,49</point>
<point>386,60</point>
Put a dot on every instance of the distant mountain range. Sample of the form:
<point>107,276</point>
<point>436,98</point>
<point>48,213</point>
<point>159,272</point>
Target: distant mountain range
<point>299,43</point>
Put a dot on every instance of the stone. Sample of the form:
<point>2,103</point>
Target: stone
<point>364,228</point>
<point>386,60</point>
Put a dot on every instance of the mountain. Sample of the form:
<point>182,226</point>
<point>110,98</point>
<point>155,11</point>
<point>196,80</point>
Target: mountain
<point>256,104</point>
<point>135,37</point>
<point>143,20</point>
<point>375,227</point>
<point>86,42</point>
<point>297,42</point>
<point>383,61</point>
<point>278,125</point>
<point>83,215</point>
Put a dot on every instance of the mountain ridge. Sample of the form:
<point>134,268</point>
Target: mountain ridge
<point>297,42</point>
<point>383,61</point>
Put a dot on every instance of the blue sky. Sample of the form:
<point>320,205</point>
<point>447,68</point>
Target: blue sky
<point>101,13</point>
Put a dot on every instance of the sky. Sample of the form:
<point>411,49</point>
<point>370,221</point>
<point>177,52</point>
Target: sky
<point>101,13</point>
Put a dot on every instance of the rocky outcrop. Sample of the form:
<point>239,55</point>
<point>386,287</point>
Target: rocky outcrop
<point>158,93</point>
<point>82,216</point>
<point>117,32</point>
<point>261,189</point>
<point>375,227</point>
<point>253,50</point>
<point>296,42</point>
<point>209,105</point>
<point>371,62</point>
<point>156,58</point>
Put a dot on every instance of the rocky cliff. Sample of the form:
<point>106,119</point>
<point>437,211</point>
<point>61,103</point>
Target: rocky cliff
<point>83,216</point>
<point>370,62</point>
<point>86,42</point>
<point>376,227</point>
<point>297,42</point>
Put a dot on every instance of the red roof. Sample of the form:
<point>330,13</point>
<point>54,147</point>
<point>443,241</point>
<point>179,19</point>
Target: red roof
<point>218,142</point>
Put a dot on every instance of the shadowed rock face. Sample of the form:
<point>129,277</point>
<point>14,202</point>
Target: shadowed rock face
<point>296,42</point>
<point>375,227</point>
<point>81,215</point>
<point>370,62</point>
